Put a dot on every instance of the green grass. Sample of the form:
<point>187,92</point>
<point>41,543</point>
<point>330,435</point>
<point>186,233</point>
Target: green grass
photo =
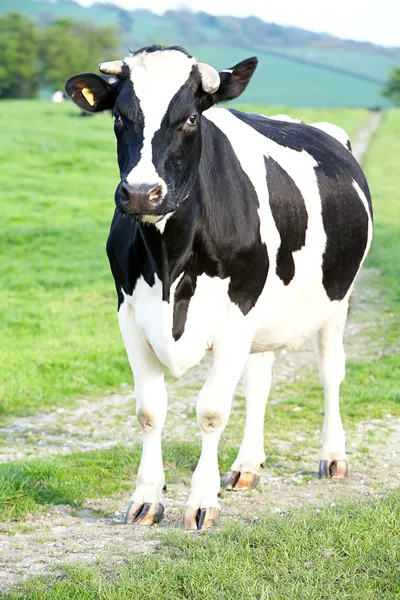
<point>59,331</point>
<point>33,485</point>
<point>384,178</point>
<point>350,552</point>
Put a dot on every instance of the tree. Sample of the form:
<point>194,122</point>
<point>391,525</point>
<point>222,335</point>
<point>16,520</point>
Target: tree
<point>392,86</point>
<point>19,57</point>
<point>70,47</point>
<point>30,57</point>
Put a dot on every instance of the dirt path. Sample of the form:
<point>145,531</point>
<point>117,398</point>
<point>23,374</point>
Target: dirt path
<point>45,542</point>
<point>362,141</point>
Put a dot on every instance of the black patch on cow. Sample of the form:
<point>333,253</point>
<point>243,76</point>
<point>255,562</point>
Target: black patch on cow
<point>228,242</point>
<point>348,144</point>
<point>290,216</point>
<point>346,226</point>
<point>133,250</point>
<point>129,130</point>
<point>183,293</point>
<point>344,217</point>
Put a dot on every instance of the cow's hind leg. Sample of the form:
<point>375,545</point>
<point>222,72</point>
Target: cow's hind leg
<point>146,507</point>
<point>333,461</point>
<point>244,473</point>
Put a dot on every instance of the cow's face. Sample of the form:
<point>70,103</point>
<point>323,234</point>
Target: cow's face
<point>157,104</point>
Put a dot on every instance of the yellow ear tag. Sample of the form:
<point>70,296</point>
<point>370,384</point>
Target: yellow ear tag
<point>88,95</point>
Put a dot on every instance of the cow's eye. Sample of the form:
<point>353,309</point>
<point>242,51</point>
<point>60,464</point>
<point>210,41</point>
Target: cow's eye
<point>191,121</point>
<point>117,117</point>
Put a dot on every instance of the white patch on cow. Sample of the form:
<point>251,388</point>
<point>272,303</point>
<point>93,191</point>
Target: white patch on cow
<point>231,350</point>
<point>332,372</point>
<point>334,131</point>
<point>257,379</point>
<point>151,405</point>
<point>207,317</point>
<point>149,219</point>
<point>160,225</point>
<point>286,317</point>
<point>367,210</point>
<point>284,118</point>
<point>156,77</point>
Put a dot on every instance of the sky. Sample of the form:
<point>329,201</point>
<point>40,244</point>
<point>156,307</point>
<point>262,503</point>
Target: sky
<point>376,21</point>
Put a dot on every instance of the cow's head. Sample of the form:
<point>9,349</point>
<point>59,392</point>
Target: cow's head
<point>157,102</point>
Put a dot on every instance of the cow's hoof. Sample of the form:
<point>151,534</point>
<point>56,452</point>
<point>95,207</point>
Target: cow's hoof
<point>237,481</point>
<point>144,514</point>
<point>335,468</point>
<point>201,518</point>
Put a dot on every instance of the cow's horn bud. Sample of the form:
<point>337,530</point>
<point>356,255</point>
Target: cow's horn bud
<point>209,78</point>
<point>113,67</point>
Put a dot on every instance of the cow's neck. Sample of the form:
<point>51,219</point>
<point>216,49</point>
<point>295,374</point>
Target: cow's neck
<point>170,251</point>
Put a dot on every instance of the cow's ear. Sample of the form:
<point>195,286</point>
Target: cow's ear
<point>234,80</point>
<point>90,92</point>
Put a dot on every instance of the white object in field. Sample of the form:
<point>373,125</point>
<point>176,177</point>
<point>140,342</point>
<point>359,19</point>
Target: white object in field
<point>58,97</point>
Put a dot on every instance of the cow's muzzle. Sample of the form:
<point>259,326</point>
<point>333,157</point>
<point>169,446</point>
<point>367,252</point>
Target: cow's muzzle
<point>139,199</point>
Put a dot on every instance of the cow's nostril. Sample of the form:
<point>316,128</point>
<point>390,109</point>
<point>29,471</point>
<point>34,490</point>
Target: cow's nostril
<point>155,193</point>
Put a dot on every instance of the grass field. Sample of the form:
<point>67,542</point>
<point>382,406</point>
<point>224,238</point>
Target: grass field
<point>350,552</point>
<point>61,342</point>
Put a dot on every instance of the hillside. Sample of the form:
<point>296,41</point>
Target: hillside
<point>297,67</point>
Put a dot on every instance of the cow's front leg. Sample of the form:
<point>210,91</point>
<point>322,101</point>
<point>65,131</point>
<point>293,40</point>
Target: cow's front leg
<point>213,410</point>
<point>245,471</point>
<point>146,507</point>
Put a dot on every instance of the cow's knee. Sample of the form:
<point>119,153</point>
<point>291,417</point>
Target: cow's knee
<point>211,420</point>
<point>147,420</point>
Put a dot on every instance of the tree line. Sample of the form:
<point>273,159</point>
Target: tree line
<point>43,55</point>
<point>34,57</point>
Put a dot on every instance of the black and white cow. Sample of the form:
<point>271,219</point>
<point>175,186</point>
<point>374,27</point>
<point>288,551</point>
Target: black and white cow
<point>234,233</point>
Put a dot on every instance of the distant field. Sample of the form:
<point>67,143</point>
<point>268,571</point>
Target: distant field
<point>59,331</point>
<point>280,81</point>
<point>287,74</point>
<point>371,63</point>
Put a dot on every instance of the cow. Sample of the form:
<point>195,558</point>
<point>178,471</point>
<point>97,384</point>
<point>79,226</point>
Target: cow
<point>234,233</point>
<point>58,97</point>
<point>330,128</point>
